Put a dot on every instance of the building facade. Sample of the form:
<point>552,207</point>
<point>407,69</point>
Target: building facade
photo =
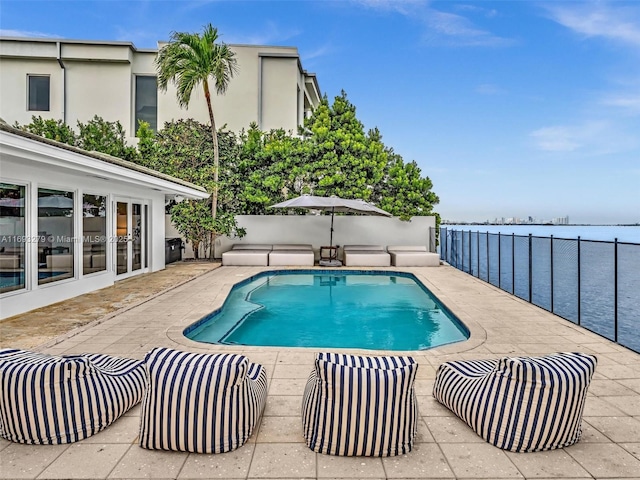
<point>74,80</point>
<point>73,221</point>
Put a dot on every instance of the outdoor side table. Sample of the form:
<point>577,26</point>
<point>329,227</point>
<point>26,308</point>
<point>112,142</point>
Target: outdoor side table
<point>330,258</point>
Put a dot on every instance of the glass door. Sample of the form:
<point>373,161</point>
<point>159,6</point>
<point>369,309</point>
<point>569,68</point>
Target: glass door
<point>131,234</point>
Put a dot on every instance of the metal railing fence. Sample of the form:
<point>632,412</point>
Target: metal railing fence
<point>592,283</point>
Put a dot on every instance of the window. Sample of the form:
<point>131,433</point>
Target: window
<point>12,237</point>
<point>39,93</point>
<point>146,102</point>
<point>55,234</point>
<point>94,233</point>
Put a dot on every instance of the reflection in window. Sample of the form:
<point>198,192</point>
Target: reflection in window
<point>39,93</point>
<point>12,237</point>
<point>94,233</point>
<point>122,235</point>
<point>146,102</point>
<point>55,234</point>
<point>136,240</point>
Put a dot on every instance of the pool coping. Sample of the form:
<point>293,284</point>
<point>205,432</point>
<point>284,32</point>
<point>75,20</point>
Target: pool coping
<point>477,334</point>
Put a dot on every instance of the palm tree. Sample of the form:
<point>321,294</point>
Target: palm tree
<point>190,59</point>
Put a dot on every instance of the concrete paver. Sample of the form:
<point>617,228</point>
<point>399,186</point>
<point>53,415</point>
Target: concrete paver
<point>445,447</point>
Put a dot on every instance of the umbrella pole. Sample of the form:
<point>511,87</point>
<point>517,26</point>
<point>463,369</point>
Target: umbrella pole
<point>331,237</point>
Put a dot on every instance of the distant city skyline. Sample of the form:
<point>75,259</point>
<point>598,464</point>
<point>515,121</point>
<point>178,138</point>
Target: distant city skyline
<point>511,108</point>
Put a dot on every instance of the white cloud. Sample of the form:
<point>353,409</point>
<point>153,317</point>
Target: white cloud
<point>24,33</point>
<point>557,139</point>
<point>618,23</point>
<point>442,27</point>
<point>489,89</point>
<point>271,34</point>
<point>318,52</point>
<point>629,102</point>
<point>589,138</point>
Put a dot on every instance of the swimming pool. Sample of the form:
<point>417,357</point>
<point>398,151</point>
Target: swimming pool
<point>331,309</point>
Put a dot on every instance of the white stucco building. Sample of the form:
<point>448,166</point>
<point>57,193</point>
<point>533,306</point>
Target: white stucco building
<point>74,80</point>
<point>73,221</point>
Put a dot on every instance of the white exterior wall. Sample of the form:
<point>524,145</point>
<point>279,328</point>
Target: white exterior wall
<point>109,82</point>
<point>279,106</point>
<point>14,90</point>
<point>38,165</point>
<point>315,230</point>
<point>100,80</point>
<point>35,177</point>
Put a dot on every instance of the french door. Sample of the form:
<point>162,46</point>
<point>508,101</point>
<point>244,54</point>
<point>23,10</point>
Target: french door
<point>131,237</point>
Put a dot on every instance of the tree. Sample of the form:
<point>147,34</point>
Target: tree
<point>190,59</point>
<point>343,160</point>
<point>97,135</point>
<point>403,191</point>
<point>52,129</point>
<point>183,149</point>
<point>107,137</point>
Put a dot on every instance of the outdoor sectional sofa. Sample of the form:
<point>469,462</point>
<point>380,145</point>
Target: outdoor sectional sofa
<point>412,256</point>
<point>268,255</point>
<point>247,255</point>
<point>293,255</point>
<point>365,256</point>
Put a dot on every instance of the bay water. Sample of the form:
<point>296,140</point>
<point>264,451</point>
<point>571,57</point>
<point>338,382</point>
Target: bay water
<point>582,282</point>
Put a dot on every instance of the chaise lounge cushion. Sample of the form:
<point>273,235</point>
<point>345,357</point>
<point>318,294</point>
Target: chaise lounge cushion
<point>366,256</point>
<point>412,256</point>
<point>298,255</point>
<point>48,399</point>
<point>248,254</point>
<point>521,404</point>
<point>360,406</point>
<point>200,402</point>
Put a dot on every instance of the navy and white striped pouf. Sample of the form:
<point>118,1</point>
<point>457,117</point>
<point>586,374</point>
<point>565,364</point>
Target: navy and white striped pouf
<point>200,402</point>
<point>521,404</point>
<point>48,399</point>
<point>360,406</point>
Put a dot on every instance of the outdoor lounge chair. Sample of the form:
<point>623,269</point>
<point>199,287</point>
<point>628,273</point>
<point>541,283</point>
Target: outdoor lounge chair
<point>521,404</point>
<point>48,399</point>
<point>200,402</point>
<point>247,255</point>
<point>412,256</point>
<point>360,406</point>
<point>365,256</point>
<point>292,255</point>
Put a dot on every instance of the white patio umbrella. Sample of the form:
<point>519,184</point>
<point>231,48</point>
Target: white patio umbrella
<point>332,204</point>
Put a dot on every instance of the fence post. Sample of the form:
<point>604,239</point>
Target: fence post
<point>470,262</point>
<point>615,291</point>
<point>499,261</point>
<point>551,273</point>
<point>513,263</point>
<point>478,243</point>
<point>462,248</point>
<point>488,268</point>
<point>579,284</point>
<point>530,267</point>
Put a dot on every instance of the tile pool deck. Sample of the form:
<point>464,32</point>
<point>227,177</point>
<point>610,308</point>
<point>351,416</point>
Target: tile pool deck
<point>446,448</point>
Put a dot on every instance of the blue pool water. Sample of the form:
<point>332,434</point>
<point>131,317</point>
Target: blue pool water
<point>15,279</point>
<point>329,309</point>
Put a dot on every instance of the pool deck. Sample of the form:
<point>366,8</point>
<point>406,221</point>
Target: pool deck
<point>446,448</point>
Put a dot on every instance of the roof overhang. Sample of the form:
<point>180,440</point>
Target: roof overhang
<point>28,150</point>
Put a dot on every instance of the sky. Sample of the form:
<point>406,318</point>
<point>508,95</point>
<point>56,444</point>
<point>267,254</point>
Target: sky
<point>511,108</point>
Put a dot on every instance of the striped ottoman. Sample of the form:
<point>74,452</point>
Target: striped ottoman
<point>47,399</point>
<point>364,406</point>
<point>521,404</point>
<point>199,402</point>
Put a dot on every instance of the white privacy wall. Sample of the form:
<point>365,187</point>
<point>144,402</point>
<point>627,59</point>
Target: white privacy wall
<point>315,230</point>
